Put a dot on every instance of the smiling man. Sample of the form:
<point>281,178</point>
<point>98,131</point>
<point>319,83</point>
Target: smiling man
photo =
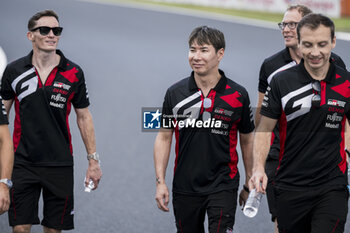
<point>206,177</point>
<point>311,102</point>
<point>44,84</point>
<point>282,60</point>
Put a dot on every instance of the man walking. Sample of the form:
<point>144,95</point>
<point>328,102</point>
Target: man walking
<point>311,103</point>
<point>282,60</point>
<point>44,84</point>
<point>206,110</point>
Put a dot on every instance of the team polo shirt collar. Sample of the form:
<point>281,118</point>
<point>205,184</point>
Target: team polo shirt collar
<point>62,65</point>
<point>220,86</point>
<point>306,78</point>
<point>286,55</point>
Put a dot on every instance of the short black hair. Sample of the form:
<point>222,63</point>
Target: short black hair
<point>313,21</point>
<point>38,15</point>
<point>207,35</point>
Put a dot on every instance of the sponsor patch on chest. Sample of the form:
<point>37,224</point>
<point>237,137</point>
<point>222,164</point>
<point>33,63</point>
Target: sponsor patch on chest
<point>62,85</point>
<point>223,112</point>
<point>334,102</point>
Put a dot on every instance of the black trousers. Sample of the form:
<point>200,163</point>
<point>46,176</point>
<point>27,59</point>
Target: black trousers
<point>320,210</point>
<point>190,212</point>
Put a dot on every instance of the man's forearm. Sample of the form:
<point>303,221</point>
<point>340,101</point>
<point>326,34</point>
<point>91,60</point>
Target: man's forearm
<point>261,149</point>
<point>8,105</point>
<point>347,135</point>
<point>87,131</point>
<point>257,111</point>
<point>162,147</point>
<point>161,160</point>
<point>6,153</point>
<point>6,162</point>
<point>246,142</point>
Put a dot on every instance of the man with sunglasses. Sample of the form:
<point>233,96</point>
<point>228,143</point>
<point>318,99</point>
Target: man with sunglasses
<point>284,59</point>
<point>311,102</point>
<point>44,84</point>
<point>206,177</point>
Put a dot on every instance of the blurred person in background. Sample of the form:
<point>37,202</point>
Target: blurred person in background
<point>43,85</point>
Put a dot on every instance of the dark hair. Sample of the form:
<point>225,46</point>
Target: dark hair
<point>37,16</point>
<point>313,21</point>
<point>303,10</point>
<point>207,35</point>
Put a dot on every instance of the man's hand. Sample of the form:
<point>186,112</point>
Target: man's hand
<point>162,197</point>
<point>4,198</point>
<point>94,173</point>
<point>243,196</point>
<point>258,180</point>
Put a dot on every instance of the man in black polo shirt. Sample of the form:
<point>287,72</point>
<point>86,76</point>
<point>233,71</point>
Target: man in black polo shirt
<point>44,84</point>
<point>206,111</point>
<point>311,102</point>
<point>282,60</point>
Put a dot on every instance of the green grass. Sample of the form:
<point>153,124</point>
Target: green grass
<point>341,24</point>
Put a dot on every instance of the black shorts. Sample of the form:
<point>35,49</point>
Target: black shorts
<point>321,210</point>
<point>190,212</point>
<point>56,184</point>
<point>270,169</point>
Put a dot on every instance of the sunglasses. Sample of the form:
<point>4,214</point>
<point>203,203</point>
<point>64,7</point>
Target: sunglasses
<point>46,30</point>
<point>206,104</point>
<point>291,25</point>
<point>316,98</point>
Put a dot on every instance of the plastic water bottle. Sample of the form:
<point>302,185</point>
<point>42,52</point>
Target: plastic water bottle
<point>252,205</point>
<point>90,186</point>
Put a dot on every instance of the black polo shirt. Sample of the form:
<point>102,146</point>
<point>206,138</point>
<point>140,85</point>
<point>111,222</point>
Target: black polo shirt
<point>41,129</point>
<point>270,67</point>
<point>311,138</point>
<point>206,157</point>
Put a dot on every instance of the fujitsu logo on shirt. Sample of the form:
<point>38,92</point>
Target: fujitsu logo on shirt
<point>334,117</point>
<point>59,98</point>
